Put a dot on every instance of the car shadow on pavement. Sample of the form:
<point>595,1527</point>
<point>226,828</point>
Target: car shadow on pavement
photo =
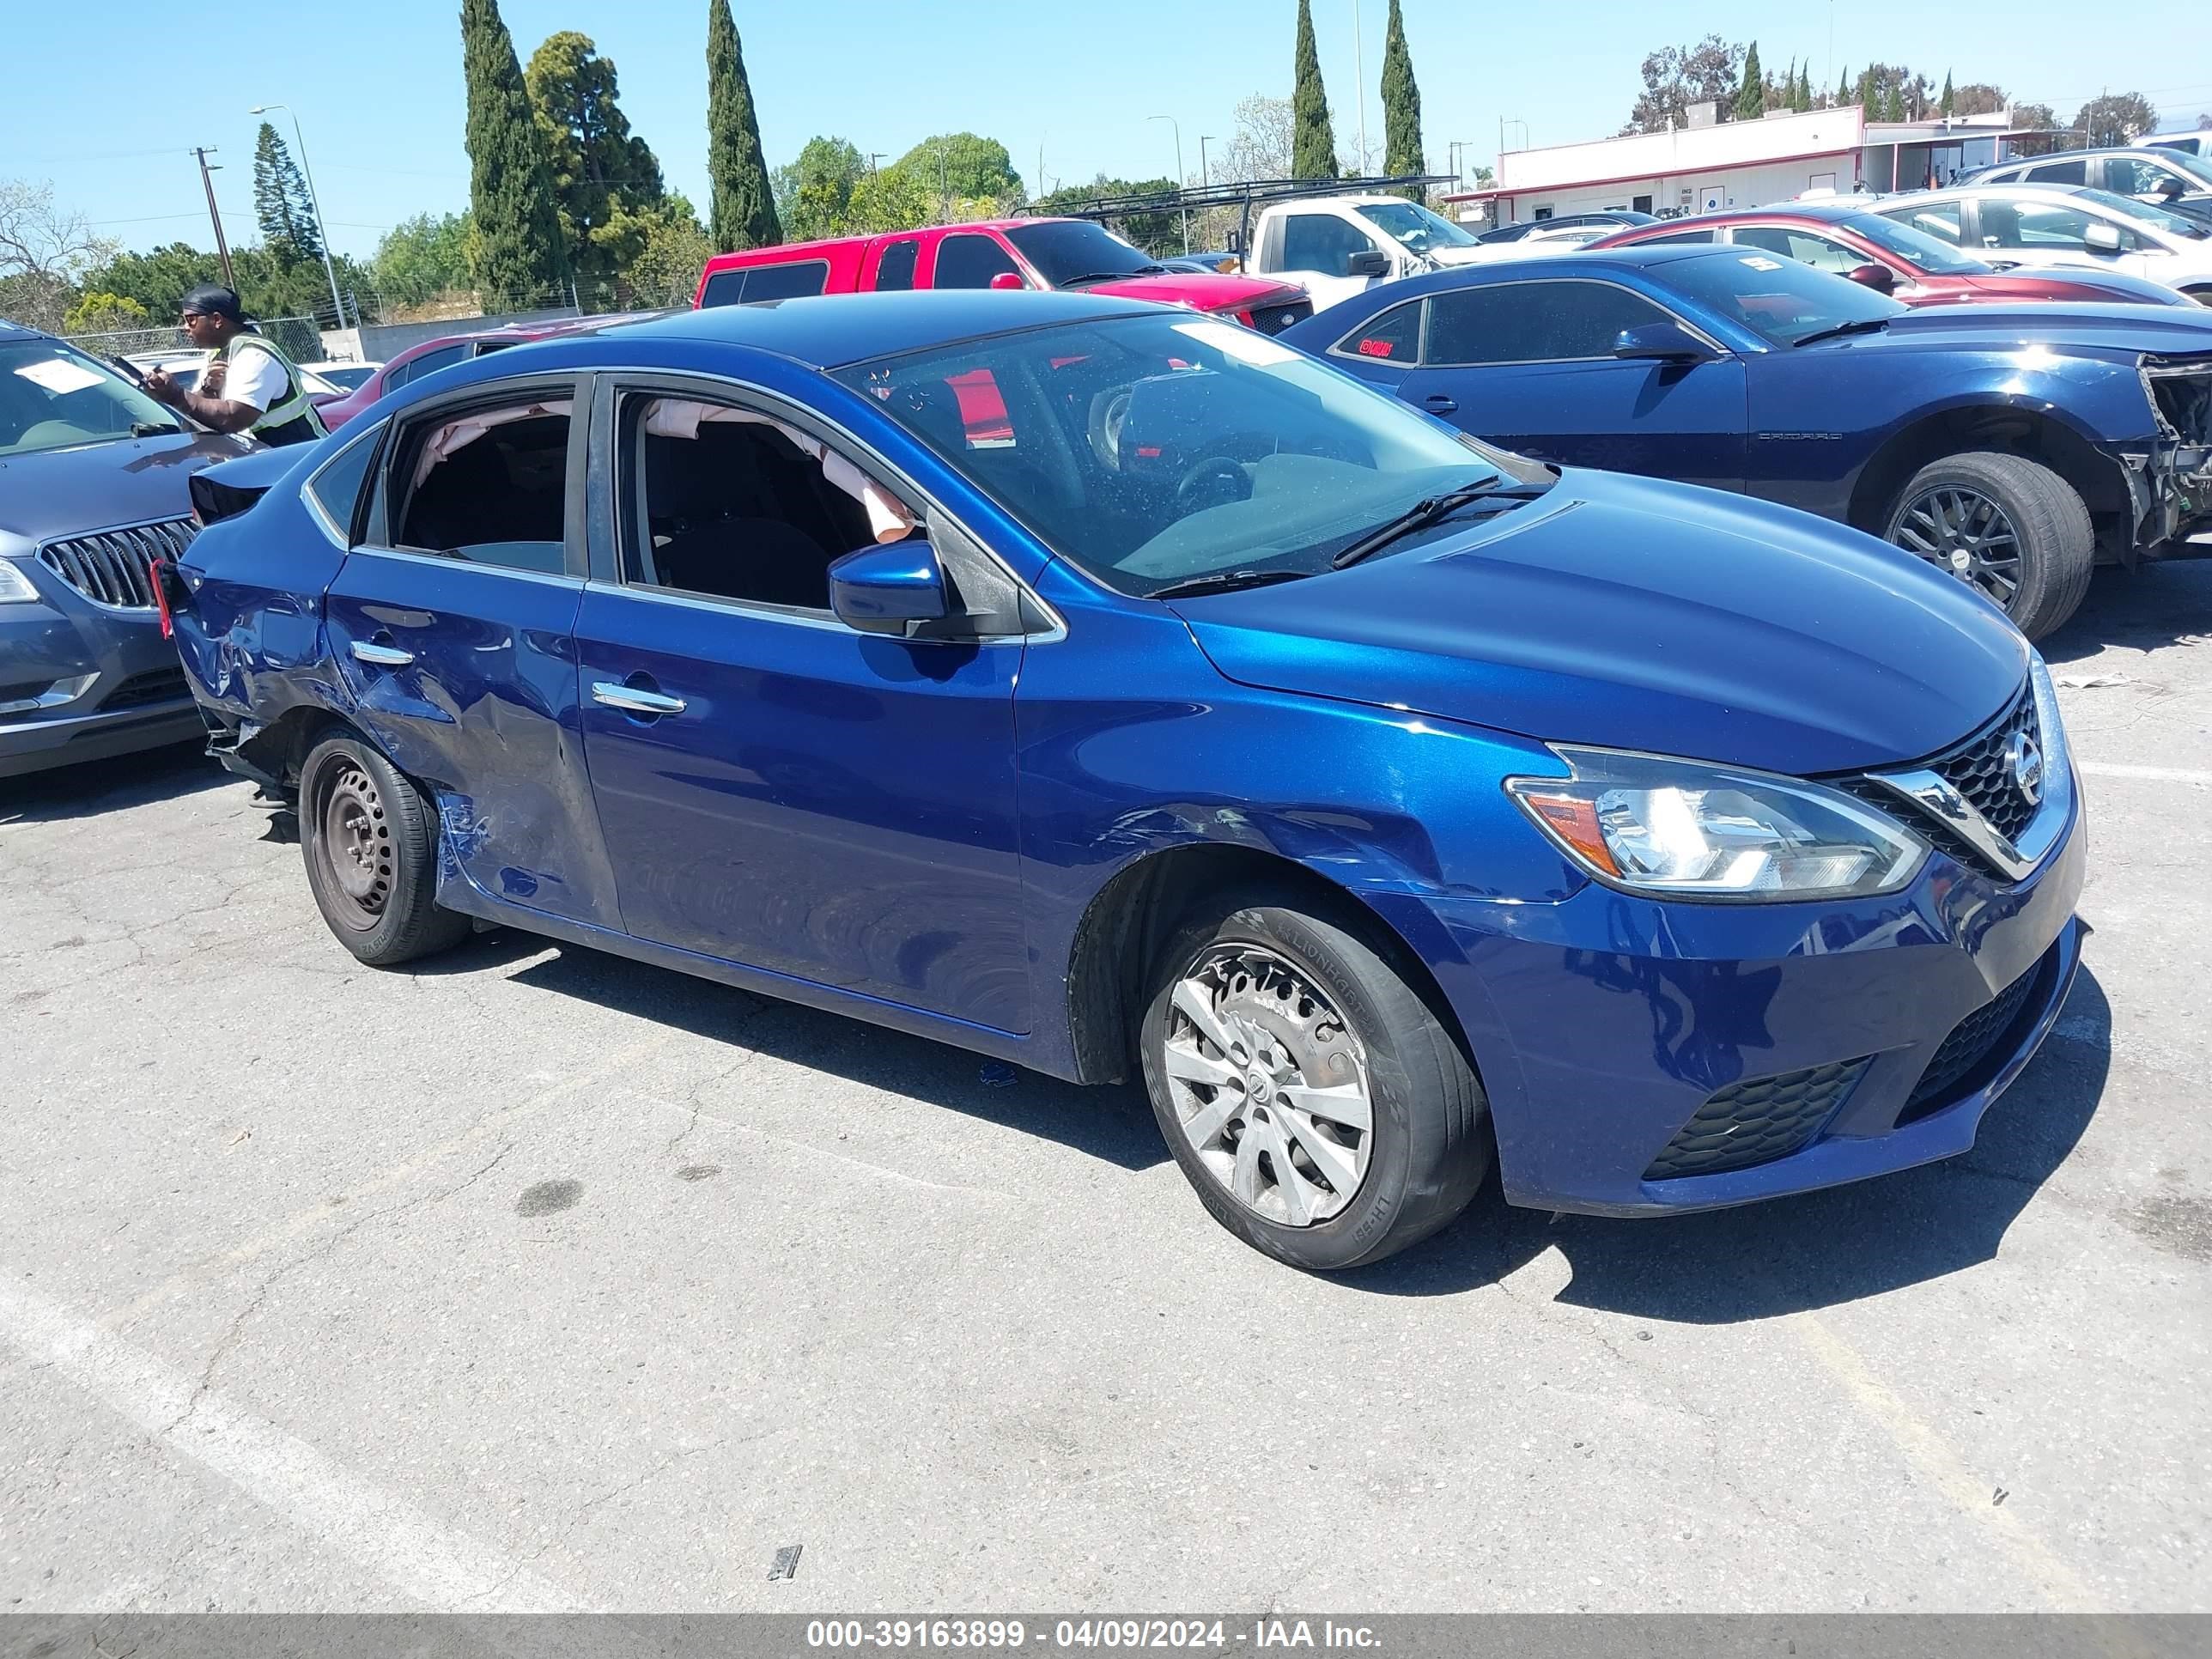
<point>90,787</point>
<point>2142,610</point>
<point>1115,1125</point>
<point>1791,1254</point>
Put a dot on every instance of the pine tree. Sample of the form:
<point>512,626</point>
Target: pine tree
<point>1843,89</point>
<point>1402,105</point>
<point>280,203</point>
<point>1751,96</point>
<point>1949,97</point>
<point>1787,98</point>
<point>1313,145</point>
<point>1805,86</point>
<point>518,258</point>
<point>743,206</point>
<point>601,173</point>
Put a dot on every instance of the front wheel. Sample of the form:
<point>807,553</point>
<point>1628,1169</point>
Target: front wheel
<point>2007,527</point>
<point>1311,1095</point>
<point>370,841</point>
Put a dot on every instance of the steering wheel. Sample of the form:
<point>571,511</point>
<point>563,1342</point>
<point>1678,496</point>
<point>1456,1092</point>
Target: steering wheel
<point>1108,409</point>
<point>1214,482</point>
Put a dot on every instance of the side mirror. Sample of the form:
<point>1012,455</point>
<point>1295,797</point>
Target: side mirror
<point>879,590</point>
<point>1662,343</point>
<point>1879,278</point>
<point>1369,262</point>
<point>2101,239</point>
<point>1008,279</point>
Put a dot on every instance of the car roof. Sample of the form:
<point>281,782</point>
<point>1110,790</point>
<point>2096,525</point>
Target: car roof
<point>16,332</point>
<point>787,252</point>
<point>830,331</point>
<point>1827,213</point>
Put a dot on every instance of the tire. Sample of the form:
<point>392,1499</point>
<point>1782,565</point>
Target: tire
<point>370,840</point>
<point>2054,544</point>
<point>1428,1145</point>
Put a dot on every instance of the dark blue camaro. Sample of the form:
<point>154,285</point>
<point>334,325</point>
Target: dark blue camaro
<point>1116,691</point>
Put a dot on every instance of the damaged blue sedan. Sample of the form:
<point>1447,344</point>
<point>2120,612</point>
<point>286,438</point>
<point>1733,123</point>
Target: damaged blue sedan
<point>1115,691</point>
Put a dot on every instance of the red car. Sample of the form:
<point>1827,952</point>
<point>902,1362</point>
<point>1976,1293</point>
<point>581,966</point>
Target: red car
<point>426,355</point>
<point>1893,258</point>
<point>1006,253</point>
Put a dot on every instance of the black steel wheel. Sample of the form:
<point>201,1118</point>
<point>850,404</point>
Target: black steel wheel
<point>369,839</point>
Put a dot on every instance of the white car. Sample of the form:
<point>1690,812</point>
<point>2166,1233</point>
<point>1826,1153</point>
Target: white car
<point>185,367</point>
<point>346,376</point>
<point>2063,225</point>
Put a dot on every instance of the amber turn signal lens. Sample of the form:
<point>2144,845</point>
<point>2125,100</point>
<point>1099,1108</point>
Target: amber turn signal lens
<point>1574,821</point>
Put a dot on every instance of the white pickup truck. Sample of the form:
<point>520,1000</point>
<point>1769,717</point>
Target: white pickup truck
<point>1335,246</point>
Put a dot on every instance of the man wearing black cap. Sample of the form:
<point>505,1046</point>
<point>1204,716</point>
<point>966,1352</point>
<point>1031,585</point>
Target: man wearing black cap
<point>253,387</point>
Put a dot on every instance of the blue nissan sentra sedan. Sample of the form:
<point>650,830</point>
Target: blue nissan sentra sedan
<point>1115,691</point>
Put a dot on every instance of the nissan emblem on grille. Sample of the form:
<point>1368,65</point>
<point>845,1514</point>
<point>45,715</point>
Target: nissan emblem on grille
<point>2025,760</point>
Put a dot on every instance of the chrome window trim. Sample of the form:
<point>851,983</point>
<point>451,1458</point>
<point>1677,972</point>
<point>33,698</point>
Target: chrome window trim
<point>1661,306</point>
<point>324,522</point>
<point>857,446</point>
<point>453,560</point>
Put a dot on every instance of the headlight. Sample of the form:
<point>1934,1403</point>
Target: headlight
<point>1685,829</point>
<point>14,587</point>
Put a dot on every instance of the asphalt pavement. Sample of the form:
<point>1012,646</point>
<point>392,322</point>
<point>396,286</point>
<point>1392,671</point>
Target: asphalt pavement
<point>535,1279</point>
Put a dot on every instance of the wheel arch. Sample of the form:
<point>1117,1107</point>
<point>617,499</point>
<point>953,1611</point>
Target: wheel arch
<point>280,747</point>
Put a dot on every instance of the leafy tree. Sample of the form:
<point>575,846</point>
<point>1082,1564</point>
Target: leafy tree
<point>1313,153</point>
<point>1805,86</point>
<point>1265,140</point>
<point>519,252</point>
<point>105,313</point>
<point>672,249</point>
<point>2119,118</point>
<point>891,199</point>
<point>1751,96</point>
<point>814,194</point>
<point>743,208</point>
<point>269,286</point>
<point>601,173</point>
<point>1401,104</point>
<point>422,257</point>
<point>1977,98</point>
<point>963,167</point>
<point>1676,78</point>
<point>38,239</point>
<point>282,206</point>
<point>2041,117</point>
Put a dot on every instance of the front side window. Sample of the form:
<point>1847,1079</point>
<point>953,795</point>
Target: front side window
<point>895,266</point>
<point>1414,225</point>
<point>1779,299</point>
<point>1152,449</point>
<point>2026,223</point>
<point>734,504</point>
<point>2158,218</point>
<point>52,396</point>
<point>1807,247</point>
<point>489,485</point>
<point>1532,322</point>
<point>1928,241</point>
<point>1321,242</point>
<point>970,260</point>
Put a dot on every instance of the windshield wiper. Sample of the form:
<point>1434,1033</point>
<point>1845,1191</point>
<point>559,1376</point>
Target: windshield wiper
<point>1419,516</point>
<point>1110,275</point>
<point>1227,582</point>
<point>1863,325</point>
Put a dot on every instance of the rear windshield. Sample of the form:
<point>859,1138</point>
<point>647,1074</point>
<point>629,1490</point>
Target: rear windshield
<point>52,396</point>
<point>1066,251</point>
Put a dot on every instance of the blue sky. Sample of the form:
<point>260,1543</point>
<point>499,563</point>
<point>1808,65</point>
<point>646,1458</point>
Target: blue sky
<point>110,118</point>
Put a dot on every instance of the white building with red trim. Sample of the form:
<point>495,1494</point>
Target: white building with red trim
<point>1707,167</point>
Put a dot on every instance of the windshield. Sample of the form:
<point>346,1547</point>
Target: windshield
<point>2195,166</point>
<point>1066,250</point>
<point>2173,224</point>
<point>1152,450</point>
<point>1916,247</point>
<point>1779,299</point>
<point>1415,226</point>
<point>52,396</point>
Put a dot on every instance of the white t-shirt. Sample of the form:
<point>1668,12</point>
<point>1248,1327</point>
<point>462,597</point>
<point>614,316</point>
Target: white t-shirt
<point>253,377</point>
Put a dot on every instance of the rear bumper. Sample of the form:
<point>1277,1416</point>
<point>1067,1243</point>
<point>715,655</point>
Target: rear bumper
<point>1602,1024</point>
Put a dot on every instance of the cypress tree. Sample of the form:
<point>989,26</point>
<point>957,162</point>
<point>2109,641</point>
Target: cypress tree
<point>1805,86</point>
<point>519,255</point>
<point>1313,143</point>
<point>1843,89</point>
<point>1751,96</point>
<point>1949,97</point>
<point>1402,105</point>
<point>743,205</point>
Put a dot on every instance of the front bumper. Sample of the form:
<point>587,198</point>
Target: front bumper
<point>133,694</point>
<point>1603,1024</point>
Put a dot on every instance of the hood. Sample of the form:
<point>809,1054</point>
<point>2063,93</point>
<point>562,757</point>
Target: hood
<point>2092,330</point>
<point>1200,289</point>
<point>2066,284</point>
<point>88,487</point>
<point>1628,613</point>
<point>1455,255</point>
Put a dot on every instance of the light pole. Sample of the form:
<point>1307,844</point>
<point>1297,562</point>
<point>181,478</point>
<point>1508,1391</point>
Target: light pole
<point>1204,139</point>
<point>1359,81</point>
<point>1177,125</point>
<point>322,228</point>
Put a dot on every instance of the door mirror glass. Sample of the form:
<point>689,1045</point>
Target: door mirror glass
<point>1665,343</point>
<point>2102,238</point>
<point>1370,261</point>
<point>1879,278</point>
<point>879,590</point>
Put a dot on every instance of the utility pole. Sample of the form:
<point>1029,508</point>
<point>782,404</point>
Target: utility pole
<point>1204,139</point>
<point>1180,184</point>
<point>214,217</point>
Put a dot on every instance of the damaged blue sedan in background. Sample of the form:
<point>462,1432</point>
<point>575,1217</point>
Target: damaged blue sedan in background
<point>1115,691</point>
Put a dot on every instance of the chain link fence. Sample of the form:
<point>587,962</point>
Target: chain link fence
<point>299,338</point>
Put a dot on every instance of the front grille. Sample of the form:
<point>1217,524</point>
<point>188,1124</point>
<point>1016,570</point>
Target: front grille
<point>1968,1045</point>
<point>1980,769</point>
<point>156,685</point>
<point>1757,1120</point>
<point>1274,319</point>
<point>109,567</point>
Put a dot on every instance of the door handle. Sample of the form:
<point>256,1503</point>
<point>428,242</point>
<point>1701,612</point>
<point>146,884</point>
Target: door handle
<point>384,656</point>
<point>631,701</point>
<point>1439,403</point>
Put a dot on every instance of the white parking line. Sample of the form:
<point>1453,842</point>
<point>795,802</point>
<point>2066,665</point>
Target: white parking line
<point>416,1554</point>
<point>2157,774</point>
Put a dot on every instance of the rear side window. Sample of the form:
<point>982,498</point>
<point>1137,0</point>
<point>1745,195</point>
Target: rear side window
<point>971,261</point>
<point>1393,336</point>
<point>724,287</point>
<point>894,269</point>
<point>2058,172</point>
<point>337,483</point>
<point>429,363</point>
<point>1532,322</point>
<point>798,281</point>
<point>488,485</point>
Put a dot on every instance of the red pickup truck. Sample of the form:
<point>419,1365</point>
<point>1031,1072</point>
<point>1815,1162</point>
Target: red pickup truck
<point>1008,253</point>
